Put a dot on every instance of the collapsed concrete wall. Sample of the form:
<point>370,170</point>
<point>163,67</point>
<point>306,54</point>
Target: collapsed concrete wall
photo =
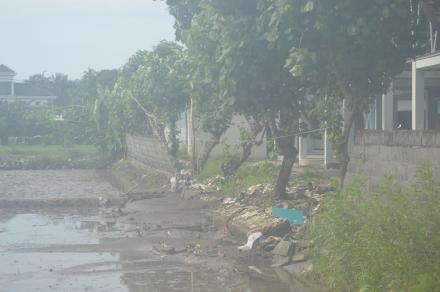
<point>399,153</point>
<point>149,152</point>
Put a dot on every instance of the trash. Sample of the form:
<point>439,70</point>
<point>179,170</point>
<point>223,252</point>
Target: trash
<point>252,238</point>
<point>198,186</point>
<point>174,184</point>
<point>255,269</point>
<point>293,216</point>
<point>277,228</point>
<point>228,201</point>
<point>248,215</point>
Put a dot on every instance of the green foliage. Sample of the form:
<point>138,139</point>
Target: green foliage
<point>383,240</point>
<point>51,157</point>
<point>150,88</point>
<point>249,175</point>
<point>212,168</point>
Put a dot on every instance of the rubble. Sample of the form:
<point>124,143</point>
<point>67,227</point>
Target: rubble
<point>283,253</point>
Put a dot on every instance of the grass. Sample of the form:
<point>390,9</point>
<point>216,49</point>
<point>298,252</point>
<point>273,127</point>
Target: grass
<point>31,150</point>
<point>50,157</point>
<point>382,240</point>
<point>247,175</point>
<point>212,168</point>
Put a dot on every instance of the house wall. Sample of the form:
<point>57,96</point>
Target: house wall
<point>232,137</point>
<point>399,153</point>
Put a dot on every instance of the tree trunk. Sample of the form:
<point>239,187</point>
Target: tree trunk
<point>207,153</point>
<point>233,166</point>
<point>343,148</point>
<point>289,158</point>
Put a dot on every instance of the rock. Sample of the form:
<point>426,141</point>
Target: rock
<point>283,253</point>
<point>270,243</point>
<point>298,258</point>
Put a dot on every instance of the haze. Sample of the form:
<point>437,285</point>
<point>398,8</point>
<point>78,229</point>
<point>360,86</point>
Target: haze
<point>70,36</point>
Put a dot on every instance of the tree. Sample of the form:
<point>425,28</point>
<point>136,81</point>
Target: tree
<point>153,83</point>
<point>251,69</point>
<point>351,48</point>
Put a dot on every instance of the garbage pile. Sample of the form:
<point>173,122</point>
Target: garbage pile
<point>280,228</point>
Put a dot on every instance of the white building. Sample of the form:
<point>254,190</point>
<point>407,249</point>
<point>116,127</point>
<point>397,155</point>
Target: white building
<point>12,91</point>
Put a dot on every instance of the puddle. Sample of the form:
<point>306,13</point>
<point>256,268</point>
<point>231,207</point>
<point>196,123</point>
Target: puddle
<point>30,230</point>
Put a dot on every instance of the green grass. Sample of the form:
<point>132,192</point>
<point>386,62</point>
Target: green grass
<point>382,240</point>
<point>247,175</point>
<point>212,168</point>
<point>50,157</point>
<point>29,150</point>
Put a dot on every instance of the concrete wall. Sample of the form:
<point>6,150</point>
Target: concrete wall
<point>399,153</point>
<point>232,136</point>
<point>149,152</point>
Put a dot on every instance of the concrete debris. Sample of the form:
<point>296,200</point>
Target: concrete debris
<point>298,258</point>
<point>283,253</point>
<point>269,243</point>
<point>252,238</point>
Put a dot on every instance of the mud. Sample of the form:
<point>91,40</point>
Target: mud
<point>155,243</point>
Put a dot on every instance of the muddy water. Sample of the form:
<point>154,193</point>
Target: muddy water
<point>43,249</point>
<point>65,253</point>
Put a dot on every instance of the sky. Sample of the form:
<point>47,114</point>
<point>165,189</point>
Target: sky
<point>70,36</point>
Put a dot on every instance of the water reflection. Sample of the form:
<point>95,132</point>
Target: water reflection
<point>92,270</point>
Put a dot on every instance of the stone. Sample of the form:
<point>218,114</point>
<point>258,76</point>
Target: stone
<point>283,253</point>
<point>298,258</point>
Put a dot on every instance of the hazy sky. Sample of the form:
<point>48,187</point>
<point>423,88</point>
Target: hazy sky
<point>70,36</point>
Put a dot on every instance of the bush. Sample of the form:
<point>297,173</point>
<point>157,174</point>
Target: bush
<point>384,240</point>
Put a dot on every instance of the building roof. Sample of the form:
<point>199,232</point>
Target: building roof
<point>27,89</point>
<point>6,69</point>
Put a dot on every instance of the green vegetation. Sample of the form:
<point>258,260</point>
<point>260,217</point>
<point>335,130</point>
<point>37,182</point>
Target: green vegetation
<point>383,240</point>
<point>51,157</point>
<point>29,150</point>
<point>249,175</point>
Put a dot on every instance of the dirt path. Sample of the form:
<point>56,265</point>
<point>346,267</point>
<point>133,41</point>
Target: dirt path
<point>154,243</point>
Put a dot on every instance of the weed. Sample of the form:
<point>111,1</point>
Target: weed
<point>386,240</point>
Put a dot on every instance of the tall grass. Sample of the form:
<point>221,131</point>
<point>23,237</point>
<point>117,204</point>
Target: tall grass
<point>386,240</point>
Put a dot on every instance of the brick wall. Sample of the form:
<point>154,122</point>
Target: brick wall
<point>149,152</point>
<point>399,153</point>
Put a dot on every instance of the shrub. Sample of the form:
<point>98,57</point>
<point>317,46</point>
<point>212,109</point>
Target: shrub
<point>382,240</point>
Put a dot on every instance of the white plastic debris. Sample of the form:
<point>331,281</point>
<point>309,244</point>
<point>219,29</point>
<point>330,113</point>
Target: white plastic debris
<point>174,184</point>
<point>252,238</point>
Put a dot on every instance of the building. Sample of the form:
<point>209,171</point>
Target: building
<point>12,91</point>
